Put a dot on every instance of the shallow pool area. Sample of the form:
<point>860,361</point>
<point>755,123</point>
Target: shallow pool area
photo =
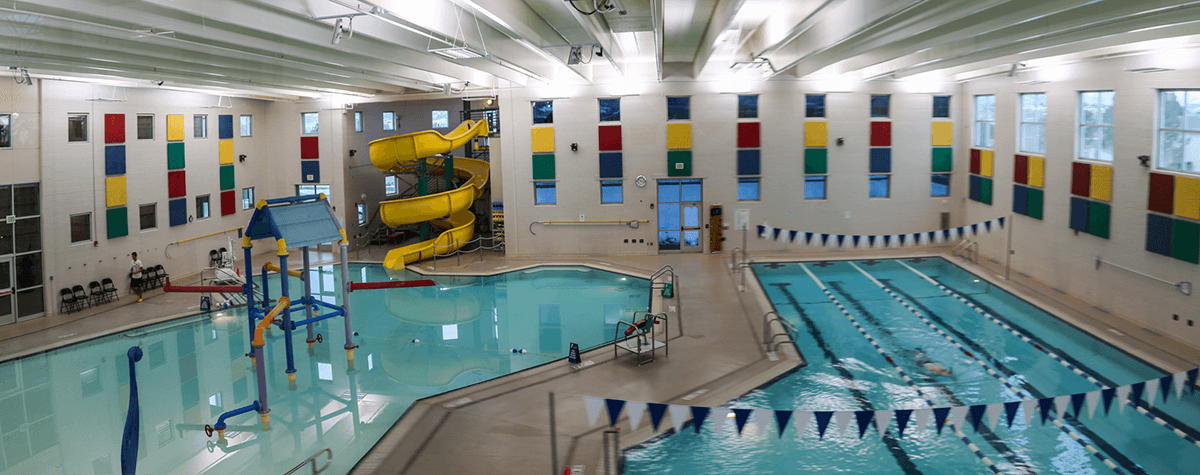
<point>63,411</point>
<point>867,327</point>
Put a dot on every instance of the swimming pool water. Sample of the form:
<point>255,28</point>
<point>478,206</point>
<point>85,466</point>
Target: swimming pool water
<point>845,372</point>
<point>63,411</point>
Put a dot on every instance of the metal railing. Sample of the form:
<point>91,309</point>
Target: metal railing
<point>645,339</point>
<point>665,270</point>
<point>313,460</point>
<point>967,249</point>
<point>459,251</point>
<point>1183,287</point>
<point>789,331</point>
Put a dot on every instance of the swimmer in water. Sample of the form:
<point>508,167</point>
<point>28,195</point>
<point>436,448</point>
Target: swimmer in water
<point>923,361</point>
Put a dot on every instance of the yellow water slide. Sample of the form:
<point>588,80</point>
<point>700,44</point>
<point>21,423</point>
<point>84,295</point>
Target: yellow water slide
<point>449,210</point>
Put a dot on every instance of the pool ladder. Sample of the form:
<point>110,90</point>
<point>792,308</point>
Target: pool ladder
<point>313,460</point>
<point>668,274</point>
<point>967,249</point>
<point>769,339</point>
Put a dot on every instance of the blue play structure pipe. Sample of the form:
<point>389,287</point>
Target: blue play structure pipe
<point>220,425</point>
<point>129,441</point>
<point>287,316</point>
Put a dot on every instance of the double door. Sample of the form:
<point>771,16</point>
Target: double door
<point>7,294</point>
<point>679,219</point>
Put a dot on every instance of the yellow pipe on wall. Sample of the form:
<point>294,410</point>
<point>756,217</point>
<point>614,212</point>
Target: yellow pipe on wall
<point>266,321</point>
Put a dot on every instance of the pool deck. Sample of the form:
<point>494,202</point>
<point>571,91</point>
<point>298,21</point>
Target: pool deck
<point>503,425</point>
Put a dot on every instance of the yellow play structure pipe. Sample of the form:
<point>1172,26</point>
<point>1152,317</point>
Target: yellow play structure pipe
<point>272,267</point>
<point>266,321</point>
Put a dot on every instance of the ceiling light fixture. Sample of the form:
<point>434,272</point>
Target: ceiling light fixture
<point>1147,70</point>
<point>458,52</point>
<point>459,49</point>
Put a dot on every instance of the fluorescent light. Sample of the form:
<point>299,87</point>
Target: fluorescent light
<point>1147,70</point>
<point>1030,83</point>
<point>460,52</point>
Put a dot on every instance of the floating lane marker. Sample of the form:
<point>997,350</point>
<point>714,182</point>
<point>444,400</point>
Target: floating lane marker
<point>1056,357</point>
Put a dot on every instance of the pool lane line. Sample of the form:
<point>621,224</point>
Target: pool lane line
<point>999,377</point>
<point>902,459</point>
<point>958,432</point>
<point>1134,403</point>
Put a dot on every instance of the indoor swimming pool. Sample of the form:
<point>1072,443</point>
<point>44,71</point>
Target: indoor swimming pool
<point>846,371</point>
<point>63,411</point>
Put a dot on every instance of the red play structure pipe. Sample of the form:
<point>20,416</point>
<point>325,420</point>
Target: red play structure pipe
<point>201,288</point>
<point>391,284</point>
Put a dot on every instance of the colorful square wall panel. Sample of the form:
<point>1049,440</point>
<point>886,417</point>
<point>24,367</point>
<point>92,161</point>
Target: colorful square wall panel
<point>881,134</point>
<point>176,184</point>
<point>1037,171</point>
<point>973,188</point>
<point>943,159</point>
<point>114,128</point>
<point>1187,197</point>
<point>1021,170</point>
<point>1020,199</point>
<point>816,133</point>
<point>1185,241</point>
<point>986,163</point>
<point>748,135</point>
<point>177,212</point>
<point>310,172</point>
<point>611,165</point>
<point>228,202</point>
<point>114,160</point>
<point>117,222</point>
<point>610,137</point>
<point>1035,203</point>
<point>1158,234</point>
<point>115,191</point>
<point>943,134</point>
<point>985,190</point>
<point>309,148</point>
<point>1102,177</point>
<point>1081,179</point>
<point>543,139</point>
<point>174,127</point>
<point>975,161</point>
<point>881,160</point>
<point>749,162</point>
<point>679,163</point>
<point>175,158</point>
<point>1162,193</point>
<point>543,166</point>
<point>815,160</point>
<point>679,136</point>
<point>1079,214</point>
<point>1098,219</point>
<point>225,152</point>
<point>227,182</point>
<point>224,127</point>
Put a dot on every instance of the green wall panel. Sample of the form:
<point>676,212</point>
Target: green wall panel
<point>679,163</point>
<point>118,222</point>
<point>175,156</point>
<point>227,182</point>
<point>985,191</point>
<point>543,166</point>
<point>1099,215</point>
<point>1036,199</point>
<point>816,161</point>
<point>1185,241</point>
<point>943,159</point>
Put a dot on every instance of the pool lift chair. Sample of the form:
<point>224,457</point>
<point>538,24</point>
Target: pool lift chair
<point>641,337</point>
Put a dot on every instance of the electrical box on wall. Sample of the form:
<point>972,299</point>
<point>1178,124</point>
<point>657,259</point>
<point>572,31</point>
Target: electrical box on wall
<point>715,226</point>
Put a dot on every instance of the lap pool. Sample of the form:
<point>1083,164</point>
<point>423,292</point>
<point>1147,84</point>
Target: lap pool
<point>63,411</point>
<point>999,349</point>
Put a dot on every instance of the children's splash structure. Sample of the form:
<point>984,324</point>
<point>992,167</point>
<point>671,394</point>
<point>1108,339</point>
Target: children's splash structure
<point>295,222</point>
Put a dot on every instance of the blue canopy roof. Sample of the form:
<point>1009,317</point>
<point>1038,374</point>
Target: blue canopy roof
<point>300,221</point>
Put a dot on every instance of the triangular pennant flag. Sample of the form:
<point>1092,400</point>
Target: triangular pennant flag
<point>939,417</point>
<point>614,410</point>
<point>635,410</point>
<point>988,226</point>
<point>977,412</point>
<point>740,416</point>
<point>957,414</point>
<point>841,239</point>
<point>808,238</point>
<point>698,415</point>
<point>921,419</point>
<point>1164,386</point>
<point>1192,375</point>
<point>1046,404</point>
<point>824,240</point>
<point>1122,398</point>
<point>1010,411</point>
<point>781,420</point>
<point>719,416</point>
<point>762,231</point>
<point>902,236</point>
<point>959,233</point>
<point>1108,395</point>
<point>1093,398</point>
<point>792,236</point>
<point>776,237</point>
<point>679,415</point>
<point>993,413</point>
<point>822,422</point>
<point>1179,381</point>
<point>1027,407</point>
<point>887,241</point>
<point>855,239</point>
<point>1151,391</point>
<point>882,418</point>
<point>762,417</point>
<point>864,421</point>
<point>1001,220</point>
<point>593,405</point>
<point>871,241</point>
<point>916,241</point>
<point>801,418</point>
<point>945,235</point>
<point>656,414</point>
<point>975,229</point>
<point>1135,391</point>
<point>1060,406</point>
<point>843,422</point>
<point>902,416</point>
<point>1077,402</point>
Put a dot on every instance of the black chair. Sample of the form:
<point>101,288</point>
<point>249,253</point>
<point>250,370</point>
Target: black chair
<point>98,295</point>
<point>110,289</point>
<point>81,296</point>
<point>160,275</point>
<point>147,278</point>
<point>67,303</point>
<point>214,258</point>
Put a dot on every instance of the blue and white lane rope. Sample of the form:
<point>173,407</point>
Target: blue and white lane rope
<point>1057,358</point>
<point>999,377</point>
<point>958,432</point>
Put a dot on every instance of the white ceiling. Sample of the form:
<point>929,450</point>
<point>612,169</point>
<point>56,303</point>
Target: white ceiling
<point>282,49</point>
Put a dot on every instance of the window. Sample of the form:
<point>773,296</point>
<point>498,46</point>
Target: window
<point>814,105</point>
<point>147,217</point>
<point>202,210</point>
<point>543,112</point>
<point>941,107</point>
<point>307,190</point>
<point>200,126</point>
<point>246,122</point>
<point>611,192</point>
<point>543,193</point>
<point>610,110</point>
<point>362,213</point>
<point>679,108</point>
<point>1096,125</point>
<point>77,127</point>
<point>1179,131</point>
<point>358,125</point>
<point>985,121</point>
<point>5,130</point>
<point>747,107</point>
<point>939,184</point>
<point>441,119</point>
<point>879,186</point>
<point>814,187</point>
<point>81,228</point>
<point>312,122</point>
<point>748,189</point>
<point>145,127</point>
<point>247,198</point>
<point>879,105</point>
<point>389,121</point>
<point>390,186</point>
<point>1033,123</point>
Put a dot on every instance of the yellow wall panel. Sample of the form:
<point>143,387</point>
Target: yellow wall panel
<point>225,148</point>
<point>174,127</point>
<point>1187,197</point>
<point>943,134</point>
<point>986,163</point>
<point>1102,177</point>
<point>114,191</point>
<point>679,136</point>
<point>816,134</point>
<point>543,139</point>
<point>1037,171</point>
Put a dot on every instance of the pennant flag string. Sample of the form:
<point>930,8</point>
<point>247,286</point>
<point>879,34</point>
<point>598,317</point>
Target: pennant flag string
<point>880,241</point>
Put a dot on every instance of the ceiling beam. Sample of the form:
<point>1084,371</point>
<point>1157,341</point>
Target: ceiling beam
<point>597,28</point>
<point>722,16</point>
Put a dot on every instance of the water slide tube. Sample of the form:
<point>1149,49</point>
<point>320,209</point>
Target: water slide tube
<point>449,210</point>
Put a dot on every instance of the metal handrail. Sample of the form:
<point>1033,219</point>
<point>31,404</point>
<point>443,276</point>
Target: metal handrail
<point>313,461</point>
<point>789,330</point>
<point>969,250</point>
<point>1183,287</point>
<point>459,251</point>
<point>654,319</point>
<point>664,270</point>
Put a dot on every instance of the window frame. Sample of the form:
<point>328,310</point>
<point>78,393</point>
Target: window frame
<point>619,184</point>
<point>383,118</point>
<point>88,228</point>
<point>751,112</point>
<point>887,180</point>
<point>304,124</point>
<point>6,121</point>
<point>86,119</point>
<point>203,126</point>
<point>433,119</point>
<point>600,109</point>
<point>1160,130</point>
<point>358,122</point>
<point>395,185</point>
<point>1081,124</point>
<point>316,189</point>
<point>823,179</point>
<point>887,106</point>
<point>756,180</point>
<point>550,184</point>
<point>818,112</point>
<point>137,126</point>
<point>361,210</point>
<point>1021,123</point>
<point>549,119</point>
<point>949,182</point>
<point>979,122</point>
<point>153,216</point>
<point>949,106</point>
<point>207,207</point>
<point>246,125</point>
<point>687,109</point>
<point>251,203</point>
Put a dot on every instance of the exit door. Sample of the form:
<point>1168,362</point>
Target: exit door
<point>679,219</point>
<point>6,291</point>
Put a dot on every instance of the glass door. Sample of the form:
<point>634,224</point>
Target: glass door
<point>691,227</point>
<point>6,291</point>
<point>679,220</point>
